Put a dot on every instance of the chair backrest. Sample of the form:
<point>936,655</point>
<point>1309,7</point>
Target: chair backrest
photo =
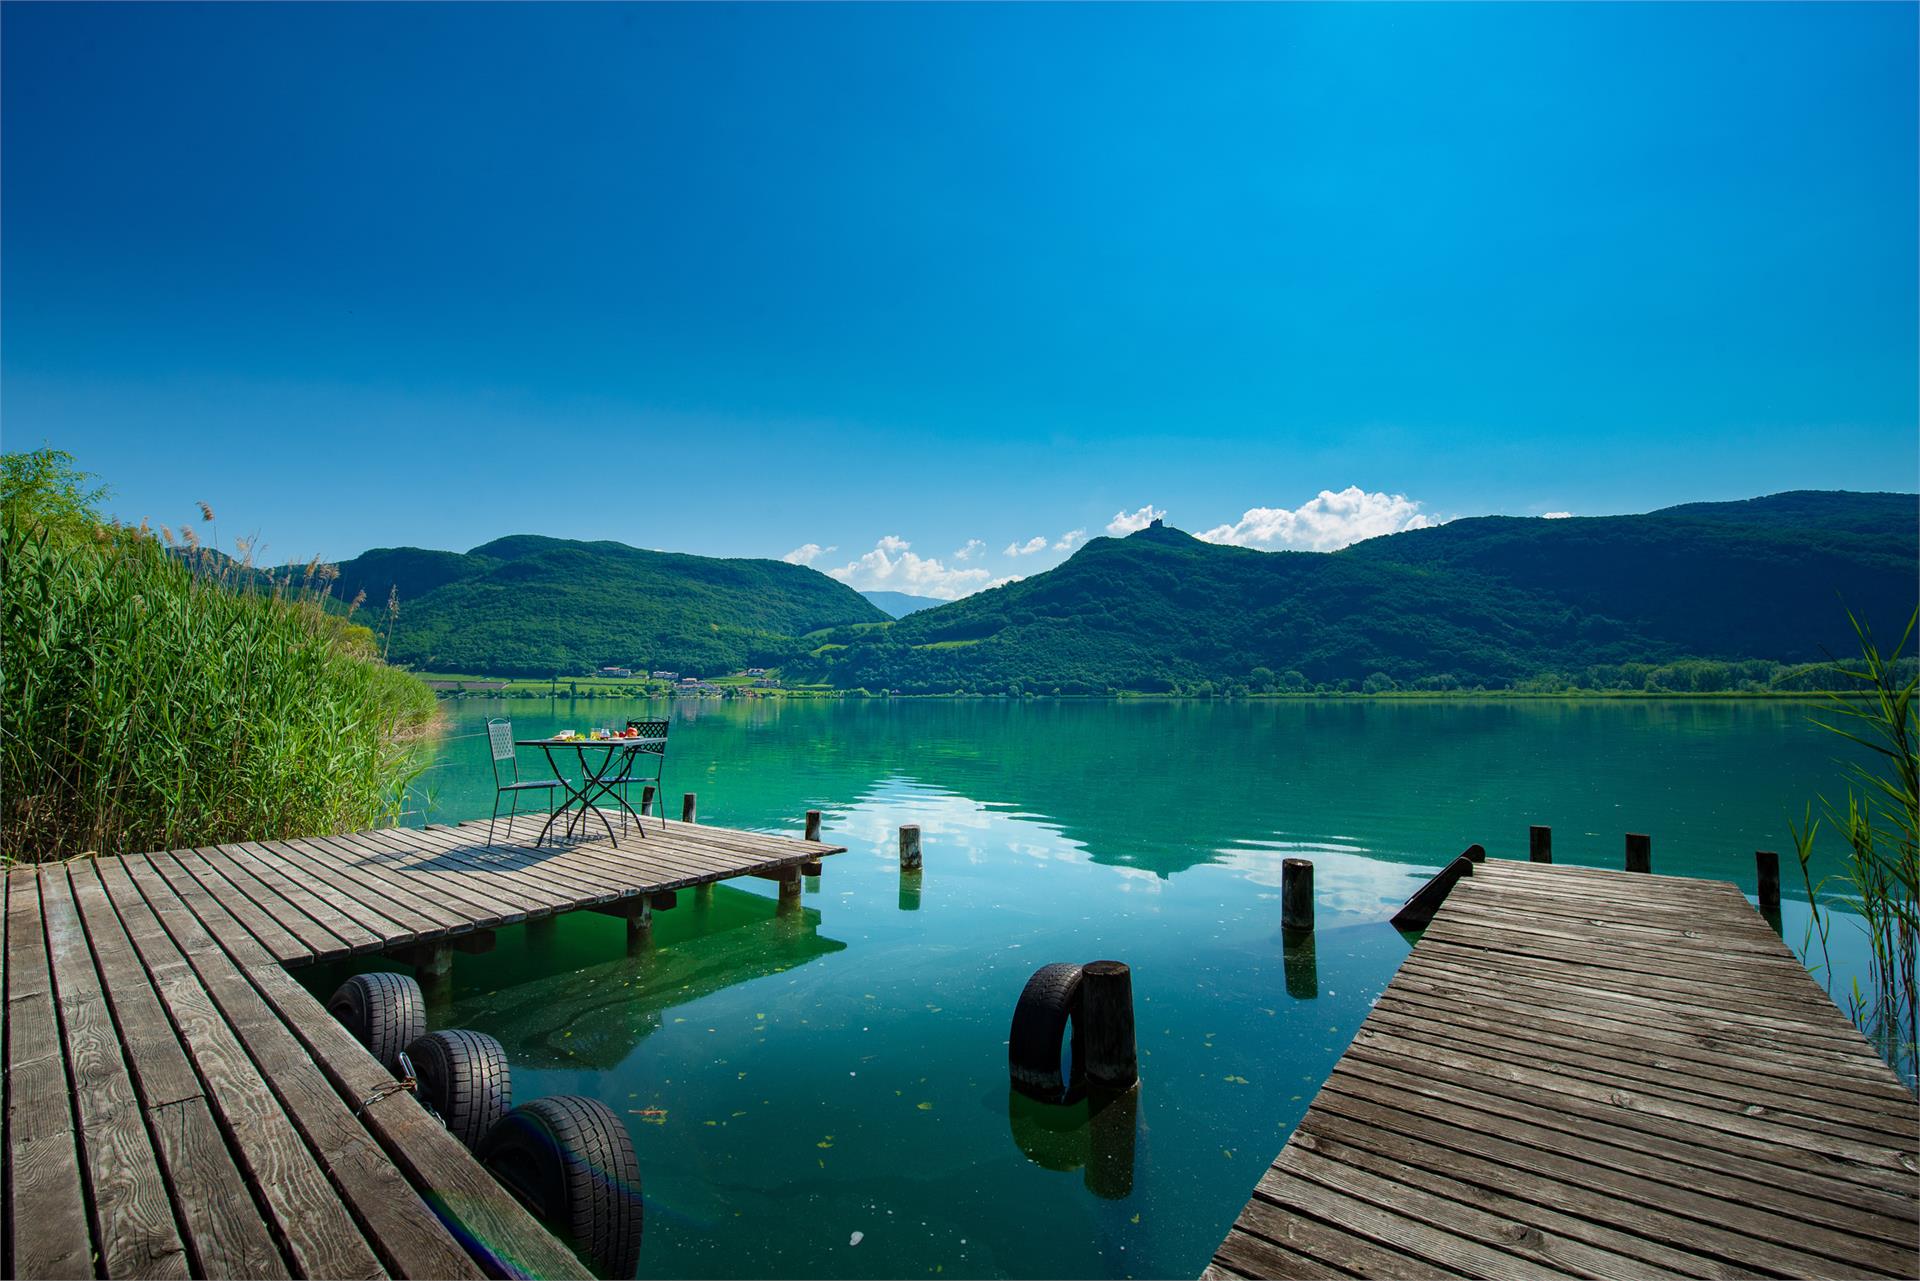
<point>650,729</point>
<point>500,738</point>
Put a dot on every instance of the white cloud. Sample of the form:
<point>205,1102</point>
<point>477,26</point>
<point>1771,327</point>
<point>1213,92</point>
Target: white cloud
<point>1124,523</point>
<point>1556,516</point>
<point>806,554</point>
<point>892,566</point>
<point>1070,540</point>
<point>973,548</point>
<point>1324,524</point>
<point>1028,548</point>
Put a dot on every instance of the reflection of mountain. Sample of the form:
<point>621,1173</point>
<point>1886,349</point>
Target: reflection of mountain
<point>557,1001</point>
<point>1163,785</point>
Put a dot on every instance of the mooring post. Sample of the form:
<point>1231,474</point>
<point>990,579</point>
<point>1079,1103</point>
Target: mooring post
<point>909,890</point>
<point>1106,1002</point>
<point>1639,852</point>
<point>1540,844</point>
<point>1296,895</point>
<point>909,847</point>
<point>1767,863</point>
<point>646,799</point>
<point>789,888</point>
<point>813,825</point>
<point>687,808</point>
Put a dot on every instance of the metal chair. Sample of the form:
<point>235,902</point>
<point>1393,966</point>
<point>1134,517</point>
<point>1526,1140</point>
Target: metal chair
<point>657,750</point>
<point>500,740</point>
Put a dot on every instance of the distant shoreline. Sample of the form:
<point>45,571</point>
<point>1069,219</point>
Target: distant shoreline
<point>526,690</point>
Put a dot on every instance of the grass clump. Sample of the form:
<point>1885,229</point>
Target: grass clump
<point>158,694</point>
<point>1879,822</point>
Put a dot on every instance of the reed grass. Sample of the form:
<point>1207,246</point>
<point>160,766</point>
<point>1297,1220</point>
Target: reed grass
<point>1879,823</point>
<point>160,695</point>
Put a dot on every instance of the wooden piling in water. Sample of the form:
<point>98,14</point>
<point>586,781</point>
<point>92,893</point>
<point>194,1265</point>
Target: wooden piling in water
<point>646,799</point>
<point>687,808</point>
<point>1767,864</point>
<point>909,847</point>
<point>790,889</point>
<point>1540,844</point>
<point>1639,852</point>
<point>813,825</point>
<point>1296,895</point>
<point>1106,1005</point>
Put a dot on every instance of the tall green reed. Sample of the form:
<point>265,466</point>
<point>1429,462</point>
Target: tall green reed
<point>1879,823</point>
<point>159,694</point>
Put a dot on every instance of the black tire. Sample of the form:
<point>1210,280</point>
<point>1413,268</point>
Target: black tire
<point>571,1162</point>
<point>385,1012</point>
<point>1048,1005</point>
<point>463,1076</point>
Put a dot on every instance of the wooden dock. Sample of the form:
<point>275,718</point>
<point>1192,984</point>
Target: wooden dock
<point>1597,1074</point>
<point>176,1104</point>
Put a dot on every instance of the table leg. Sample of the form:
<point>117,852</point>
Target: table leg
<point>567,787</point>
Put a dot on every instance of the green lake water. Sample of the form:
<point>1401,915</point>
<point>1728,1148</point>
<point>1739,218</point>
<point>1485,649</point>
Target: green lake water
<point>794,1082</point>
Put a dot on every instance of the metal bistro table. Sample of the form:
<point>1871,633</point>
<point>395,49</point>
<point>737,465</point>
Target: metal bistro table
<point>594,783</point>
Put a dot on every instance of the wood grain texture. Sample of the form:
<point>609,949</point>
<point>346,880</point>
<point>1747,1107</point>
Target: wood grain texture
<point>176,1104</point>
<point>1600,1074</point>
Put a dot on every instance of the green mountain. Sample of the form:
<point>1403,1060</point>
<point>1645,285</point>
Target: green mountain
<point>1488,601</point>
<point>532,606</point>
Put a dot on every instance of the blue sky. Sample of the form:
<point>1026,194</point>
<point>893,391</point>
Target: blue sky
<point>743,280</point>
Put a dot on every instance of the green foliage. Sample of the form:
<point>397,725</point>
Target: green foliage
<point>1714,598</point>
<point>532,606</point>
<point>1880,823</point>
<point>150,706</point>
<point>43,488</point>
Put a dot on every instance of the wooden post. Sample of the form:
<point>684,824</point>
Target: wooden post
<point>1540,844</point>
<point>909,847</point>
<point>703,894</point>
<point>1767,863</point>
<point>909,890</point>
<point>646,799</point>
<point>1296,895</point>
<point>813,825</point>
<point>1106,1002</point>
<point>1639,852</point>
<point>686,808</point>
<point>1475,853</point>
<point>638,911</point>
<point>789,888</point>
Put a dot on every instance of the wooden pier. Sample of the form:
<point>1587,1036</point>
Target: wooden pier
<point>176,1104</point>
<point>1598,1074</point>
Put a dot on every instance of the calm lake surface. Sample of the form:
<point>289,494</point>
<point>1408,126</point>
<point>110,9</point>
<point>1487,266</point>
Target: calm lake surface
<point>838,1075</point>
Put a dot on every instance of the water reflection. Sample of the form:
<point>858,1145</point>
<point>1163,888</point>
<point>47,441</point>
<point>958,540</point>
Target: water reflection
<point>565,992</point>
<point>1302,965</point>
<point>1096,1134</point>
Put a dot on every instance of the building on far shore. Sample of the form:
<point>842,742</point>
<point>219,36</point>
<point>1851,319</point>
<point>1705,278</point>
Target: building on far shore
<point>666,676</point>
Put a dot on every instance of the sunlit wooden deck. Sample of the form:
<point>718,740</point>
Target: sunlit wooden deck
<point>176,1104</point>
<point>1600,1074</point>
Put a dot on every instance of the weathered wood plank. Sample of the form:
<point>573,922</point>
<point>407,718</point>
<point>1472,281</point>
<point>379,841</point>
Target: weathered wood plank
<point>1591,1073</point>
<point>46,1212</point>
<point>132,1213</point>
<point>318,1233</point>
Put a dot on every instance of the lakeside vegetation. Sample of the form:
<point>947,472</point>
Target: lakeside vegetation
<point>157,698</point>
<point>1879,822</point>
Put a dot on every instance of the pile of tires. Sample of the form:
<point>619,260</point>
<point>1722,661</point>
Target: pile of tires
<point>568,1159</point>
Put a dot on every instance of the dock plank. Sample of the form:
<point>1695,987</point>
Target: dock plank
<point>178,1104</point>
<point>1588,1073</point>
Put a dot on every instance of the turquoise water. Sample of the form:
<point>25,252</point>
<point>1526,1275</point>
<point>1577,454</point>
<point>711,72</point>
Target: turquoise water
<point>792,1081</point>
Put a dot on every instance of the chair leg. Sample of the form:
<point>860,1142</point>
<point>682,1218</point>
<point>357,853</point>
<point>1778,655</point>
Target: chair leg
<point>494,819</point>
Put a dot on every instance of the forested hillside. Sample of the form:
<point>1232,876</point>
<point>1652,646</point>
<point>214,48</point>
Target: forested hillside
<point>532,606</point>
<point>1484,602</point>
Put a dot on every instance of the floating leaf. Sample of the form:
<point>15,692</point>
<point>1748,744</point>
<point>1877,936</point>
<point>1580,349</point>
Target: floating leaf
<point>924,1107</point>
